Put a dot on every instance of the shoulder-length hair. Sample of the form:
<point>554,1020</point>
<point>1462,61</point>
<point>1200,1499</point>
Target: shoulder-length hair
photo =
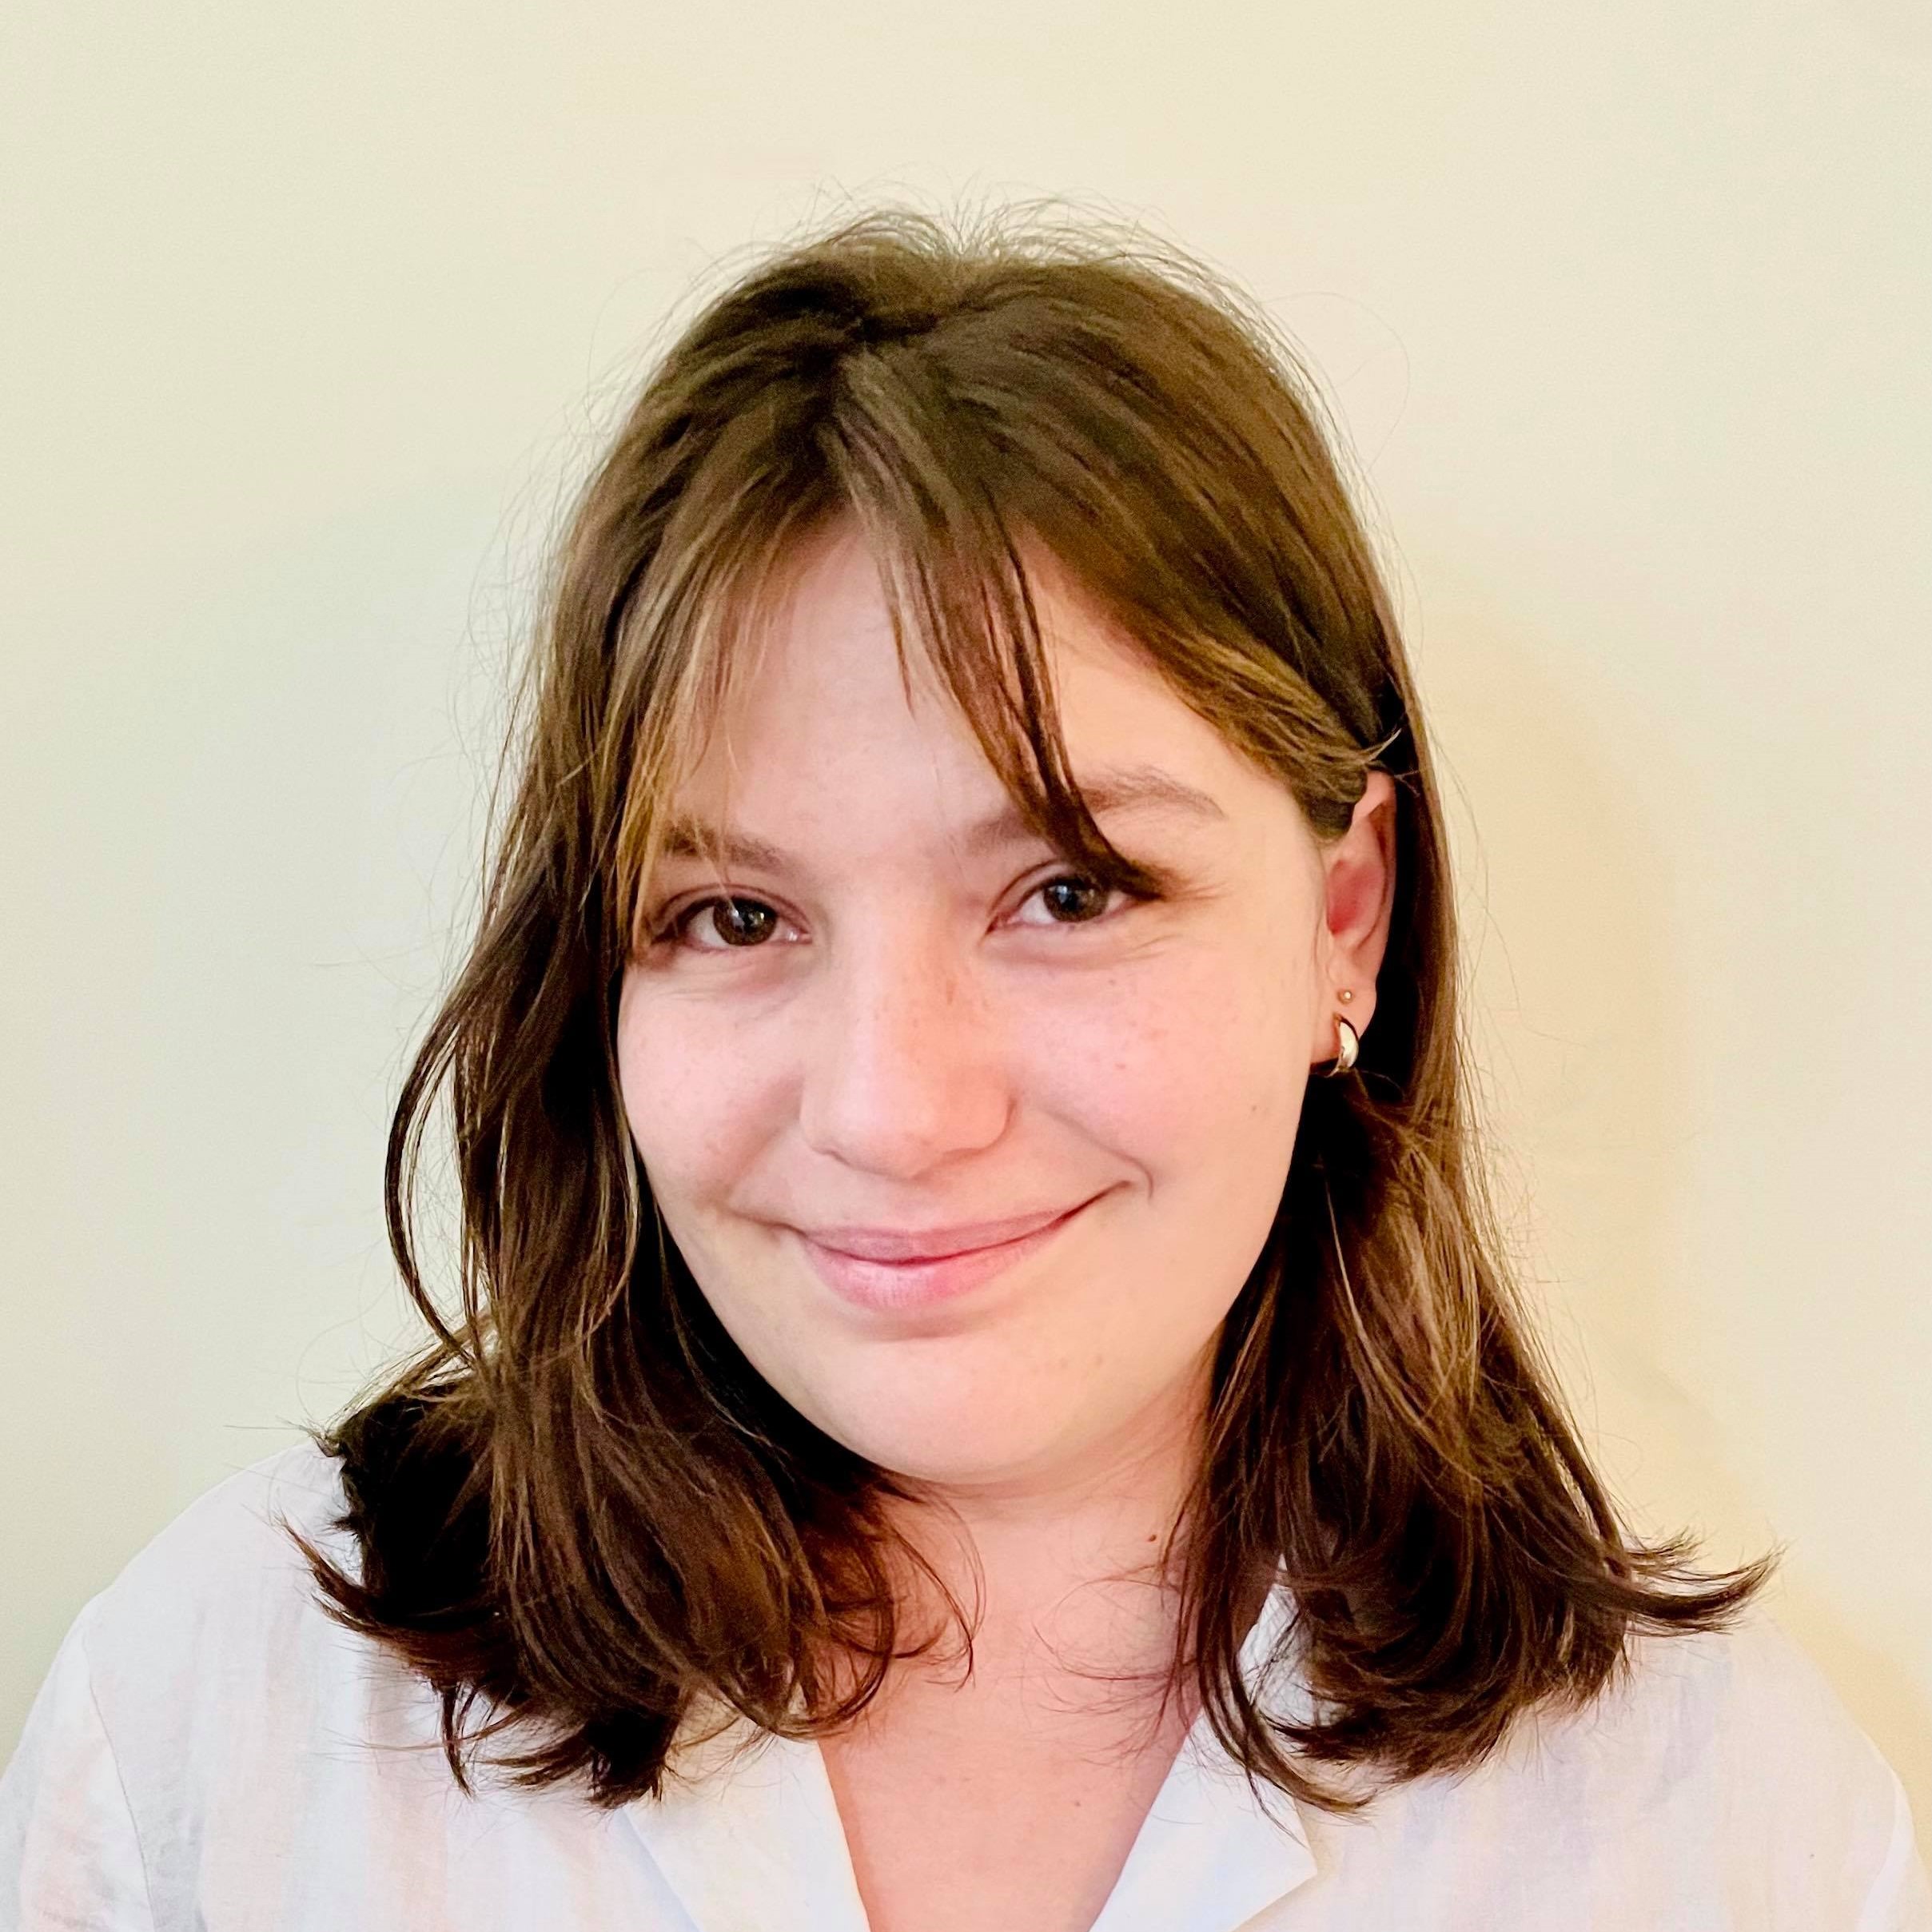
<point>579,1506</point>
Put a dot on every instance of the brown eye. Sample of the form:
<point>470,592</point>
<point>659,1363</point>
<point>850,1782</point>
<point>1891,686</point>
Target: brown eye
<point>740,923</point>
<point>1074,899</point>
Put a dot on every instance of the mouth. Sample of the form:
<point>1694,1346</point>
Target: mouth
<point>922,1281</point>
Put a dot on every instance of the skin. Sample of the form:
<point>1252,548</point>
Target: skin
<point>921,1036</point>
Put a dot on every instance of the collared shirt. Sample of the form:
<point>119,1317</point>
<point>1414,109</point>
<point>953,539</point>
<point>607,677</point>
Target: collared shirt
<point>211,1753</point>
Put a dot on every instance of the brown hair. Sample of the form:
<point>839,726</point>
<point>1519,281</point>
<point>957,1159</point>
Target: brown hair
<point>579,1504</point>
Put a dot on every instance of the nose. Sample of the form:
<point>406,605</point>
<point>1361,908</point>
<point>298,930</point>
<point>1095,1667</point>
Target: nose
<point>905,1067</point>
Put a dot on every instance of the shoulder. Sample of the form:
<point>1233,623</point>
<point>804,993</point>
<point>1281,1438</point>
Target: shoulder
<point>212,1654</point>
<point>186,1699</point>
<point>227,1564</point>
<point>1747,1698</point>
<point>212,1748</point>
<point>1717,1781</point>
<point>1727,1756</point>
<point>241,1520</point>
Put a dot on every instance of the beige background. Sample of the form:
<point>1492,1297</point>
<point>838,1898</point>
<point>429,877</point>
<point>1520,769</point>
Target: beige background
<point>310,313</point>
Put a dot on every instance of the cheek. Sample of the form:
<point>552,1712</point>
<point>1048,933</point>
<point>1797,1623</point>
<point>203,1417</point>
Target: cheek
<point>1180,1067</point>
<point>1198,1085</point>
<point>697,1108</point>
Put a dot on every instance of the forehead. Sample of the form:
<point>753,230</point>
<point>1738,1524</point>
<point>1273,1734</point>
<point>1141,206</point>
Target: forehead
<point>819,635</point>
<point>823,729</point>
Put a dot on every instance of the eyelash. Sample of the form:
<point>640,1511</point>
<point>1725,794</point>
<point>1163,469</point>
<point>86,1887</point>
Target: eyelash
<point>672,928</point>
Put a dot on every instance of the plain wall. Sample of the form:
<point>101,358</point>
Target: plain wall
<point>311,314</point>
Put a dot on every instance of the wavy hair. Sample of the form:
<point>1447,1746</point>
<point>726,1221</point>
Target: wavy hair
<point>578,1511</point>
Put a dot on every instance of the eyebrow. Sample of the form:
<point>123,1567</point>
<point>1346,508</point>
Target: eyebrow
<point>1119,788</point>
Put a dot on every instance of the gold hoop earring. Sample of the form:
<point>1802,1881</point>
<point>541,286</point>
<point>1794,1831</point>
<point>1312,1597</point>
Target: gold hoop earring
<point>1349,1049</point>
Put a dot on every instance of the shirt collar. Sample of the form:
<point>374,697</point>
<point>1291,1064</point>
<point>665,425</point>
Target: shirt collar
<point>1213,1852</point>
<point>739,1833</point>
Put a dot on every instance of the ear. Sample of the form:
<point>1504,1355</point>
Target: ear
<point>1359,897</point>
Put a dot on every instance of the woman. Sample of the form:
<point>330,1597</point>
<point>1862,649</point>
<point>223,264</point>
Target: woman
<point>986,1395</point>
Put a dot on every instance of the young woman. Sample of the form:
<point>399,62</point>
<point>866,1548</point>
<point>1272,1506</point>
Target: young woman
<point>986,1395</point>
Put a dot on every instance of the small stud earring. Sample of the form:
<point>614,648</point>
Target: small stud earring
<point>1346,994</point>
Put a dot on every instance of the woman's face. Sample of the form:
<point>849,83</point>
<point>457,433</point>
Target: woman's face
<point>889,1033</point>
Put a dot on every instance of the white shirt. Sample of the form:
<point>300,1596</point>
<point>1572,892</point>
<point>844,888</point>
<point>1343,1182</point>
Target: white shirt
<point>210,1753</point>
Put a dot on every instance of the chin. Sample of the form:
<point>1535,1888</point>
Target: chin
<point>929,1436</point>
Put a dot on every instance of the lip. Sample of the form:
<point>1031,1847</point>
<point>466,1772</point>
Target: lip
<point>929,1244</point>
<point>871,1282</point>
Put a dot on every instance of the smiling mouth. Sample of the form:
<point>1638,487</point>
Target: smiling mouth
<point>934,1244</point>
<point>888,1285</point>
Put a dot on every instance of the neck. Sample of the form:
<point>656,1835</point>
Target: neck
<point>1064,1568</point>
